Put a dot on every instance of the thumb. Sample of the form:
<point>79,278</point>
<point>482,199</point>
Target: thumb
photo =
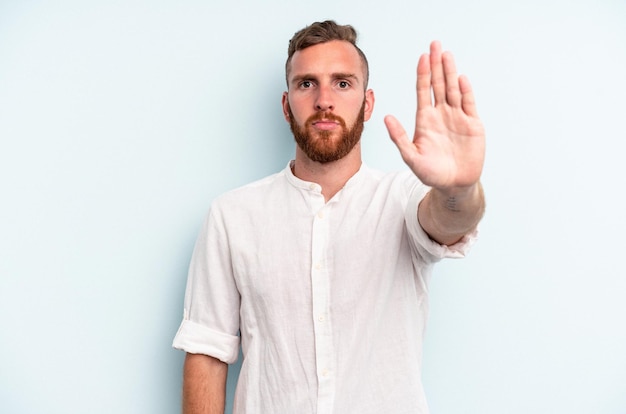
<point>399,137</point>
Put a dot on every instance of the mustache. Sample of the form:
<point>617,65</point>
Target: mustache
<point>325,116</point>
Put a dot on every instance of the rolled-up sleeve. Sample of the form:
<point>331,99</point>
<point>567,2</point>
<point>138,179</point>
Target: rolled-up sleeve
<point>197,339</point>
<point>429,250</point>
<point>210,323</point>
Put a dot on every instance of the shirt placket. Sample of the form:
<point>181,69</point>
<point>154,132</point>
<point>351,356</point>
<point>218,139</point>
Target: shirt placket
<point>320,281</point>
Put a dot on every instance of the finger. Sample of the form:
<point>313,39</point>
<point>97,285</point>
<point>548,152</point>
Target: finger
<point>399,137</point>
<point>438,81</point>
<point>423,82</point>
<point>453,93</point>
<point>467,96</point>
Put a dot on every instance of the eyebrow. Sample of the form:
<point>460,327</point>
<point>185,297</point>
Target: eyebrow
<point>337,75</point>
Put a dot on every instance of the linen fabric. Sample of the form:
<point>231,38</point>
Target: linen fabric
<point>329,300</point>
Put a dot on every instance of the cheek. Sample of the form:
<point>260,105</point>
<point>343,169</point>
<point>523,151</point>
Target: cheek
<point>297,111</point>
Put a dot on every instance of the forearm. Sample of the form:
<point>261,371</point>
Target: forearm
<point>204,385</point>
<point>448,215</point>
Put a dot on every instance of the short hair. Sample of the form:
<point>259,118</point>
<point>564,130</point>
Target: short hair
<point>322,32</point>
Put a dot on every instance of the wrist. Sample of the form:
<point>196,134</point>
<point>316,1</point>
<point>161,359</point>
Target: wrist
<point>453,198</point>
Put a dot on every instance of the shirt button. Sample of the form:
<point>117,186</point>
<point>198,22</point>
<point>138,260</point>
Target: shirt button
<point>320,214</point>
<point>325,372</point>
<point>318,266</point>
<point>321,318</point>
<point>312,186</point>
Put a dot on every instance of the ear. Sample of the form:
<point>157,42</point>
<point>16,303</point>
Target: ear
<point>285,105</point>
<point>369,104</point>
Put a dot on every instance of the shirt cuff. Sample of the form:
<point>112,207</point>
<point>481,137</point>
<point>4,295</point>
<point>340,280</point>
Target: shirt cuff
<point>197,339</point>
<point>427,247</point>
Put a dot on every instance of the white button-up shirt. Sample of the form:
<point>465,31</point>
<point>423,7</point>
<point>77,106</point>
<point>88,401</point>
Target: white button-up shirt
<point>329,299</point>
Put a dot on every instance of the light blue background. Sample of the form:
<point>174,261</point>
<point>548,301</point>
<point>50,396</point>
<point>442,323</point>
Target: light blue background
<point>120,121</point>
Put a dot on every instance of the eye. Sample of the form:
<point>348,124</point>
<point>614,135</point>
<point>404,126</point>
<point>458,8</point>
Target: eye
<point>343,84</point>
<point>306,84</point>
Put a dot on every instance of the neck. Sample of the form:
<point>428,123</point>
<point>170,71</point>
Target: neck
<point>331,176</point>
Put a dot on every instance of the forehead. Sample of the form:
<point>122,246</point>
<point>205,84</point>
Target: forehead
<point>336,56</point>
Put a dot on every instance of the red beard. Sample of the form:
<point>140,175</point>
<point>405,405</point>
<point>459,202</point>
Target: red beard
<point>323,148</point>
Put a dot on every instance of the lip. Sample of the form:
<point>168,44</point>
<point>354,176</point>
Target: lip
<point>325,124</point>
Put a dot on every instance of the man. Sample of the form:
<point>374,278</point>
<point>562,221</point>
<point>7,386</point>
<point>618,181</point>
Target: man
<point>323,268</point>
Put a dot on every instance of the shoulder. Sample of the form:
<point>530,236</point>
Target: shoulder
<point>402,182</point>
<point>251,195</point>
<point>381,191</point>
<point>252,189</point>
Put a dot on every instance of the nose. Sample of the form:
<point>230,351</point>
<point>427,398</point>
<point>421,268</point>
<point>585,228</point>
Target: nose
<point>324,101</point>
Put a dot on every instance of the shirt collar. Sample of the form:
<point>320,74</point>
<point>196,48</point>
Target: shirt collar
<point>311,186</point>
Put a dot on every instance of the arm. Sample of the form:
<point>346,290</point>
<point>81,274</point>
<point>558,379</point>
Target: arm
<point>204,385</point>
<point>448,216</point>
<point>448,148</point>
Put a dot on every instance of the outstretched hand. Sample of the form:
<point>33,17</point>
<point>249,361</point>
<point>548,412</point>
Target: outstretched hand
<point>448,147</point>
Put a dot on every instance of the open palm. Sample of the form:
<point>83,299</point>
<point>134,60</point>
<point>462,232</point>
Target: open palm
<point>448,146</point>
